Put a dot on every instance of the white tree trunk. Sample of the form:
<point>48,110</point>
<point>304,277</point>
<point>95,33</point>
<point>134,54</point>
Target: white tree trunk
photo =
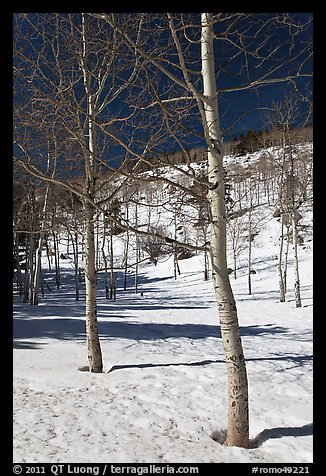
<point>286,254</point>
<point>136,250</point>
<point>249,248</point>
<point>297,293</point>
<point>93,343</point>
<point>238,409</point>
<point>19,274</point>
<point>74,242</point>
<point>105,260</point>
<point>37,270</point>
<point>112,279</point>
<point>126,251</point>
<point>26,274</point>
<point>280,259</point>
<point>56,259</point>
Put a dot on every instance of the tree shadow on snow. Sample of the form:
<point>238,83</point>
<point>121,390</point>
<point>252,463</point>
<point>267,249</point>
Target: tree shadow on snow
<point>296,359</point>
<point>172,364</point>
<point>19,344</point>
<point>280,432</point>
<point>63,328</point>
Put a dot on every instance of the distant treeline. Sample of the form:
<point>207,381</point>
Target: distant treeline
<point>246,143</point>
<point>253,141</point>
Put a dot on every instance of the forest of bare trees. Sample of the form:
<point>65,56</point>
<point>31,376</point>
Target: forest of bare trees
<point>104,105</point>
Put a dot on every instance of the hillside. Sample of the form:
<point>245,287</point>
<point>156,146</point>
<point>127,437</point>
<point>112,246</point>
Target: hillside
<point>163,392</point>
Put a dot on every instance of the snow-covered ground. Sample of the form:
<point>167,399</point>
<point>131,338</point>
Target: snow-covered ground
<point>163,392</point>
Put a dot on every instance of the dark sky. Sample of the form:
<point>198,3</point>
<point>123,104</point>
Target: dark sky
<point>256,47</point>
<point>254,107</point>
<point>287,51</point>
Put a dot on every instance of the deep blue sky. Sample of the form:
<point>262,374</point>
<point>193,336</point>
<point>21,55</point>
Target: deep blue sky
<point>254,107</point>
<point>288,48</point>
<point>247,106</point>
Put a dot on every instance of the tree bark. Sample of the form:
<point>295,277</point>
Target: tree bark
<point>111,261</point>
<point>26,274</point>
<point>206,266</point>
<point>48,252</point>
<point>93,343</point>
<point>280,258</point>
<point>286,254</point>
<point>74,242</point>
<point>38,271</point>
<point>31,262</point>
<point>238,407</point>
<point>126,251</point>
<point>136,250</point>
<point>19,274</point>
<point>105,261</point>
<point>249,249</point>
<point>56,259</point>
<point>297,293</point>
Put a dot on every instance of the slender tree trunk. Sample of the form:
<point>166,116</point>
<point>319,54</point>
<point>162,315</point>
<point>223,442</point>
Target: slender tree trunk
<point>78,270</point>
<point>105,261</point>
<point>37,274</point>
<point>137,250</point>
<point>280,259</point>
<point>74,243</point>
<point>235,263</point>
<point>31,266</point>
<point>176,268</point>
<point>26,273</point>
<point>294,222</point>
<point>38,270</point>
<point>19,274</point>
<point>238,407</point>
<point>93,342</point>
<point>98,253</point>
<point>136,267</point>
<point>206,269</point>
<point>249,250</point>
<point>111,262</point>
<point>68,244</point>
<point>286,254</point>
<point>297,293</point>
<point>48,252</point>
<point>126,251</point>
<point>31,247</point>
<point>56,259</point>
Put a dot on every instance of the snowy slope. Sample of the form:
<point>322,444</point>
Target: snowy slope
<point>163,392</point>
<point>166,391</point>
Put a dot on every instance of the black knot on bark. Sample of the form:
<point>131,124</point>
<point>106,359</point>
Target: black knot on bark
<point>213,186</point>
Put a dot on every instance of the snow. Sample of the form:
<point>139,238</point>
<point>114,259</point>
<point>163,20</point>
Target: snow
<point>250,158</point>
<point>163,392</point>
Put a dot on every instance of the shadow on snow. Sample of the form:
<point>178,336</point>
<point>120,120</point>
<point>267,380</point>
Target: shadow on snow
<point>29,327</point>
<point>279,432</point>
<point>296,359</point>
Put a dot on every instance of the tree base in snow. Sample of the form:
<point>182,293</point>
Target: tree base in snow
<point>84,369</point>
<point>219,436</point>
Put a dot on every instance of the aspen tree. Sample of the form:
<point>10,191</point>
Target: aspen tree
<point>175,57</point>
<point>238,406</point>
<point>93,343</point>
